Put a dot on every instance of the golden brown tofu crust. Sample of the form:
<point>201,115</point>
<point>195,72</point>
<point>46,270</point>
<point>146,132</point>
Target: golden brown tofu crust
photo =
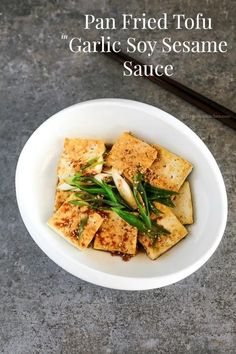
<point>76,153</point>
<point>183,205</point>
<point>60,198</point>
<point>66,222</point>
<point>168,171</point>
<point>130,155</point>
<point>116,235</point>
<point>164,242</point>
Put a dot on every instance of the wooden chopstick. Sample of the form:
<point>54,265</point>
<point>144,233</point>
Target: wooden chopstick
<point>212,108</point>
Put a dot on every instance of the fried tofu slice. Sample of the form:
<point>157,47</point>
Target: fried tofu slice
<point>76,153</point>
<point>183,205</point>
<point>168,171</point>
<point>67,223</point>
<point>164,242</point>
<point>116,235</point>
<point>129,155</point>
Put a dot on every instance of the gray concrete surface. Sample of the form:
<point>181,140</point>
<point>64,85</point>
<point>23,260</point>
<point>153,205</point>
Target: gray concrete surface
<point>46,310</point>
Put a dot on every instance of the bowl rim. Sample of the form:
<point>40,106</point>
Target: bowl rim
<point>113,281</point>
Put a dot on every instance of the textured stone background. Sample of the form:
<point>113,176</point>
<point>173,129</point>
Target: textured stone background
<point>46,310</point>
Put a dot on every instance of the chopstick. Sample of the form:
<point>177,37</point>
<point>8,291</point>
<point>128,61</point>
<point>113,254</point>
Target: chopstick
<point>208,106</point>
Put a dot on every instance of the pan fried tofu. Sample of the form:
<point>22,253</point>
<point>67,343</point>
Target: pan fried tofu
<point>170,222</point>
<point>76,153</point>
<point>103,229</point>
<point>183,205</point>
<point>168,171</point>
<point>129,155</point>
<point>116,235</point>
<point>67,221</point>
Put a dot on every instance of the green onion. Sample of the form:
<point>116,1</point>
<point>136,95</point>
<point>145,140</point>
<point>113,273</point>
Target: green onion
<point>162,200</point>
<point>121,201</point>
<point>137,190</point>
<point>130,219</point>
<point>93,190</point>
<point>108,191</point>
<point>154,209</point>
<point>83,223</point>
<point>159,191</point>
<point>79,202</point>
<point>160,195</point>
<point>159,229</point>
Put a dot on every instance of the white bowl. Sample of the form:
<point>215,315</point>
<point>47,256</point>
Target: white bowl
<point>106,119</point>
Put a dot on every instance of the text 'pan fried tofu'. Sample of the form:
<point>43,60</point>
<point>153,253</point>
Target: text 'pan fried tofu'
<point>76,153</point>
<point>130,155</point>
<point>164,242</point>
<point>183,205</point>
<point>116,235</point>
<point>168,171</point>
<point>66,222</point>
